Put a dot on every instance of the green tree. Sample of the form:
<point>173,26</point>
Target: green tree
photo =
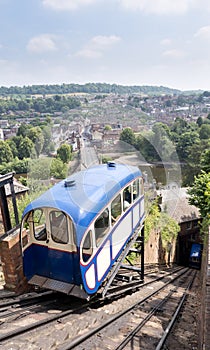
<point>179,126</point>
<point>186,141</point>
<point>22,105</point>
<point>23,130</point>
<point>127,135</point>
<point>20,166</point>
<point>161,128</point>
<point>39,169</point>
<point>46,130</point>
<point>58,169</point>
<point>64,152</point>
<point>36,136</point>
<point>144,145</point>
<point>199,121</point>
<point>161,142</point>
<point>26,148</point>
<point>204,131</point>
<point>200,194</point>
<point>13,147</point>
<point>17,140</point>
<point>107,128</point>
<point>106,159</point>
<point>5,152</point>
<point>205,160</point>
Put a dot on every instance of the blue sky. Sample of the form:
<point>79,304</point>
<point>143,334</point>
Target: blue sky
<point>128,42</point>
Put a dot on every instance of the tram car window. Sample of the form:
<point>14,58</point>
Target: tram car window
<point>74,233</point>
<point>141,186</point>
<point>116,209</point>
<point>59,227</point>
<point>127,197</point>
<point>101,226</point>
<point>135,189</point>
<point>87,246</point>
<point>39,221</point>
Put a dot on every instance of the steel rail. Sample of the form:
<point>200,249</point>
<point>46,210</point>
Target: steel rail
<point>135,285</point>
<point>173,320</point>
<point>150,314</point>
<point>37,324</point>
<point>24,300</point>
<point>79,340</point>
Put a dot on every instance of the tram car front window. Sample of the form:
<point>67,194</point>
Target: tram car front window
<point>59,227</point>
<point>39,224</point>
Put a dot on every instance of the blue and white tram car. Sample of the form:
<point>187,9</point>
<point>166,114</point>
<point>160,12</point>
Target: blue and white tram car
<point>73,233</point>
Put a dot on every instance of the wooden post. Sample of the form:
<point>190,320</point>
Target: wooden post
<point>5,209</point>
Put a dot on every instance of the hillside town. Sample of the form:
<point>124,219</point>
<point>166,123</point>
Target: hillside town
<point>138,112</point>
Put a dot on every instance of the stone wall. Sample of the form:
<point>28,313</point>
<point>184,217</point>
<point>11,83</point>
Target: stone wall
<point>155,252</point>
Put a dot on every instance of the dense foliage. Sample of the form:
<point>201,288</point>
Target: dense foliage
<point>21,153</point>
<point>84,88</point>
<point>161,222</point>
<point>52,104</point>
<point>200,194</point>
<point>23,201</point>
<point>29,143</point>
<point>186,143</point>
<point>64,153</point>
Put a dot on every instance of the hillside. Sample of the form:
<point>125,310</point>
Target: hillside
<point>98,88</point>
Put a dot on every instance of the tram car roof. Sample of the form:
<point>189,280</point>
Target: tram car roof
<point>84,194</point>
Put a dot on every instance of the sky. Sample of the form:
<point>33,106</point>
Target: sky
<point>126,42</point>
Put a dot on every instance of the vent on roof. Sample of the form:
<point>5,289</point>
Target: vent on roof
<point>69,183</point>
<point>111,165</point>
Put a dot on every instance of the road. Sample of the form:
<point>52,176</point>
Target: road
<point>89,157</point>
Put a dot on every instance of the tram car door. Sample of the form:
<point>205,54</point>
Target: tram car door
<point>50,248</point>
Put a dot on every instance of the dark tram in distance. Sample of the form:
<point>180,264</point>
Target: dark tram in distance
<point>73,234</point>
<point>195,256</point>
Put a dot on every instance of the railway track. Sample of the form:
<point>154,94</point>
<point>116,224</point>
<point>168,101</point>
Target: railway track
<point>72,319</point>
<point>143,325</point>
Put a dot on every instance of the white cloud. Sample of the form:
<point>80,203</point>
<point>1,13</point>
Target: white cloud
<point>70,5</point>
<point>89,53</point>
<point>174,53</point>
<point>42,43</point>
<point>203,33</point>
<point>103,42</point>
<point>165,42</point>
<point>97,45</point>
<point>159,7</point>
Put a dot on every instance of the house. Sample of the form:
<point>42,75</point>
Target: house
<point>111,136</point>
